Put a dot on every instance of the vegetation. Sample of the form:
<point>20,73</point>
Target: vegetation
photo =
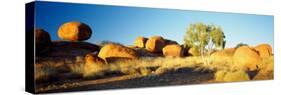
<point>204,38</point>
<point>231,76</point>
<point>102,43</point>
<point>200,41</point>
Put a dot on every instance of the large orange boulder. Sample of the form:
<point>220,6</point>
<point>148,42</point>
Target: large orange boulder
<point>155,44</point>
<point>264,50</point>
<point>140,42</point>
<point>74,31</point>
<point>222,56</point>
<point>116,51</point>
<point>173,50</point>
<point>247,58</point>
<point>42,41</point>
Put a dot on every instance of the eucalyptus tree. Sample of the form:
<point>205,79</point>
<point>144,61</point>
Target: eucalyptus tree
<point>204,38</point>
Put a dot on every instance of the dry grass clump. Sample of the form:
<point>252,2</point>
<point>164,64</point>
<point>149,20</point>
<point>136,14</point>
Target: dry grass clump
<point>148,66</point>
<point>95,70</point>
<point>143,66</point>
<point>161,70</point>
<point>231,76</point>
<point>145,71</point>
<point>236,76</point>
<point>44,71</point>
<point>78,66</point>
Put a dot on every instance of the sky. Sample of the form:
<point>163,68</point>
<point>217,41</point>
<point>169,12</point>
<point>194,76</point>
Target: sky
<point>124,24</point>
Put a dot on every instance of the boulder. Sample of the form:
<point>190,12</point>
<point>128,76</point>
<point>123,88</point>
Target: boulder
<point>170,42</point>
<point>140,42</point>
<point>264,50</point>
<point>82,45</point>
<point>173,50</point>
<point>74,31</point>
<point>132,47</point>
<point>94,66</point>
<point>193,51</point>
<point>116,51</point>
<point>222,56</point>
<point>42,41</point>
<point>155,44</point>
<point>144,53</point>
<point>71,49</point>
<point>247,58</point>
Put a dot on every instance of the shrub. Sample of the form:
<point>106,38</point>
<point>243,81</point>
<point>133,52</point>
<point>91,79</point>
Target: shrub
<point>95,70</point>
<point>43,72</point>
<point>231,76</point>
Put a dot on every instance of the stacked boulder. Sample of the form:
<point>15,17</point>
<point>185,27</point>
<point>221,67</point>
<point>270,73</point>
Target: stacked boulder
<point>158,46</point>
<point>73,34</point>
<point>140,42</point>
<point>74,31</point>
<point>155,44</point>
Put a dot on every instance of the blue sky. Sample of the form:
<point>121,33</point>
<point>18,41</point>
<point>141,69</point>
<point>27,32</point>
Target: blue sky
<point>124,24</point>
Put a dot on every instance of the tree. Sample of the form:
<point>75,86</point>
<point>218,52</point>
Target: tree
<point>102,43</point>
<point>206,38</point>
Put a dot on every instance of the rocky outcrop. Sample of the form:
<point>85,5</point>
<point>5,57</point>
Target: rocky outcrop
<point>247,58</point>
<point>116,51</point>
<point>74,31</point>
<point>155,44</point>
<point>267,70</point>
<point>71,49</point>
<point>222,56</point>
<point>140,42</point>
<point>264,50</point>
<point>42,41</point>
<point>173,50</point>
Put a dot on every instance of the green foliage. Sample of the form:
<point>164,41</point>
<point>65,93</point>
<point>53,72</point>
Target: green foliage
<point>204,37</point>
<point>102,43</point>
